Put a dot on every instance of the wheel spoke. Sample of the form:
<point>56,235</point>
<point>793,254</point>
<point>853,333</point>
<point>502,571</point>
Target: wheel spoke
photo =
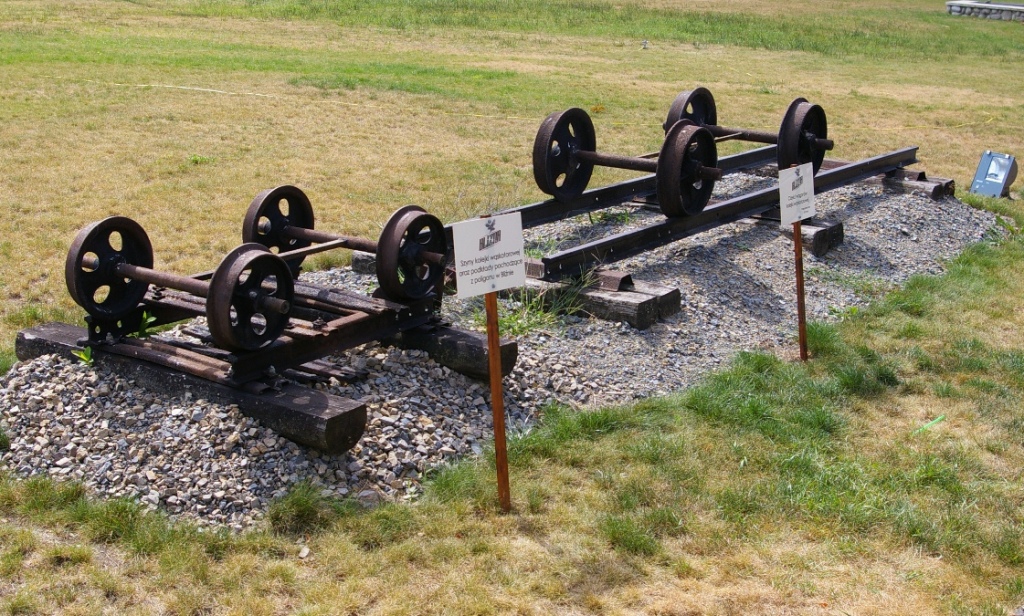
<point>407,270</point>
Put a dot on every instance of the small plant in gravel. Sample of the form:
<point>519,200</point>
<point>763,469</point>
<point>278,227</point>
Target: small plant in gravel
<point>613,217</point>
<point>145,323</point>
<point>537,309</point>
<point>538,248</point>
<point>84,355</point>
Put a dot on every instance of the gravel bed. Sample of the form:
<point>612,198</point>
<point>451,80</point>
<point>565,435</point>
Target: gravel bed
<point>208,463</point>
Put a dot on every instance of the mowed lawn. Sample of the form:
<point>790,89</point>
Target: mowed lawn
<point>734,497</point>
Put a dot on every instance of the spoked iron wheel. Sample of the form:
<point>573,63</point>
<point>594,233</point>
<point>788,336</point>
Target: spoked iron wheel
<point>404,269</point>
<point>271,213</point>
<point>697,106</point>
<point>555,168</point>
<point>803,125</point>
<point>249,299</point>
<point>681,189</point>
<point>90,268</point>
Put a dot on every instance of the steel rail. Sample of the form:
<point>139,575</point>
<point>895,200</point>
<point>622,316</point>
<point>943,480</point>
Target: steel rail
<point>542,212</point>
<point>577,260</point>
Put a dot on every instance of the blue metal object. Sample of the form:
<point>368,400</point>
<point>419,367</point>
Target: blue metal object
<point>996,172</point>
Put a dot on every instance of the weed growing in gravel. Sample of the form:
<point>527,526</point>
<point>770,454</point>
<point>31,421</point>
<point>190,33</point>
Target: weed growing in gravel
<point>84,355</point>
<point>145,329</point>
<point>524,314</point>
<point>867,286</point>
<point>540,247</point>
<point>614,216</point>
<point>532,309</point>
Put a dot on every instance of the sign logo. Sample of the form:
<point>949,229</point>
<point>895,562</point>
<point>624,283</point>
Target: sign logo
<point>492,237</point>
<point>798,180</point>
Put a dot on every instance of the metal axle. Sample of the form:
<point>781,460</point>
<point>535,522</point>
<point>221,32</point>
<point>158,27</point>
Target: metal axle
<point>634,163</point>
<point>723,133</point>
<point>167,280</point>
<point>329,241</point>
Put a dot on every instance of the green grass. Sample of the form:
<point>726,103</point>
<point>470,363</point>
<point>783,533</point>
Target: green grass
<point>21,603</point>
<point>67,555</point>
<point>926,33</point>
<point>427,73</point>
<point>418,79</point>
<point>626,534</point>
<point>302,511</point>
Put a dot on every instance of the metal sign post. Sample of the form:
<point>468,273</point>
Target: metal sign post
<point>796,202</point>
<point>489,258</point>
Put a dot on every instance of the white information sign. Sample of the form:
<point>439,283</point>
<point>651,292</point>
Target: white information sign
<point>796,193</point>
<point>489,254</point>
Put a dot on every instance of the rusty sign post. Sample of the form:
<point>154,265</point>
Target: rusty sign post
<point>801,315</point>
<point>489,258</point>
<point>796,202</point>
<point>497,400</point>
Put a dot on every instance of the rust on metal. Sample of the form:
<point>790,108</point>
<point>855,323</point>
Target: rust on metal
<point>613,280</point>
<point>564,157</point>
<point>412,251</point>
<point>802,137</point>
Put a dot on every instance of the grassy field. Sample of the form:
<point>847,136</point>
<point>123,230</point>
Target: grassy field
<point>891,486</point>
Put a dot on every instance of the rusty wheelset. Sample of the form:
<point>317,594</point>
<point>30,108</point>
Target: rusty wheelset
<point>564,151</point>
<point>802,137</point>
<point>109,267</point>
<point>564,156</point>
<point>411,253</point>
